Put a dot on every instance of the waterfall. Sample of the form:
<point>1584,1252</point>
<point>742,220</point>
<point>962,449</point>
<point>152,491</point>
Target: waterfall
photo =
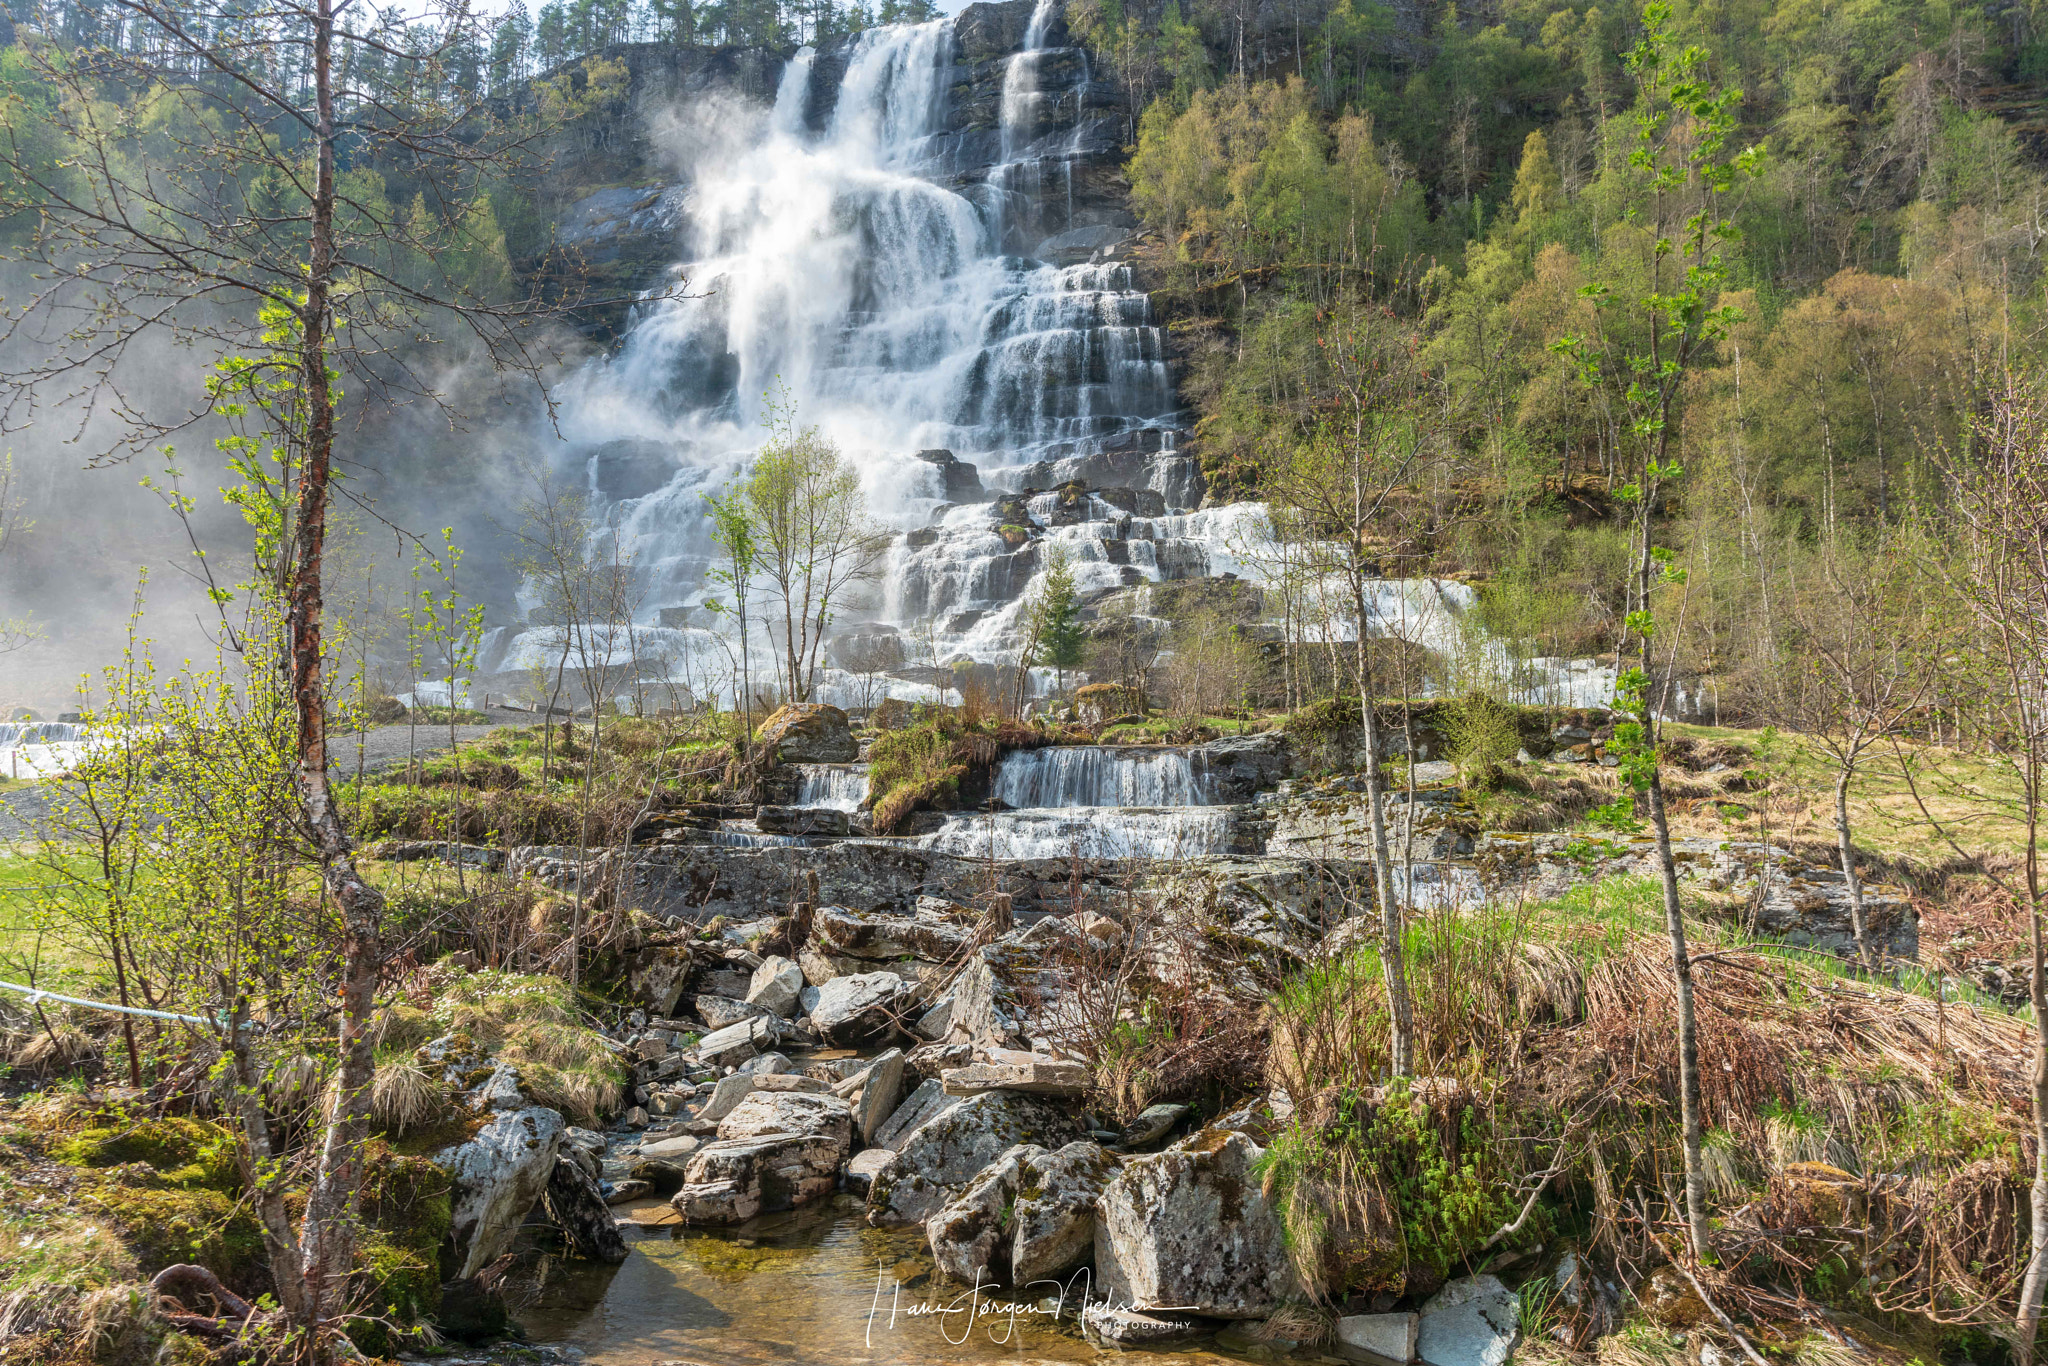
<point>835,787</point>
<point>866,266</point>
<point>1097,776</point>
<point>1113,833</point>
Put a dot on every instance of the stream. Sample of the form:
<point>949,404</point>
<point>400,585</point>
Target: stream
<point>812,1286</point>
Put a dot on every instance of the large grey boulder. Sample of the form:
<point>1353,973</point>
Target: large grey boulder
<point>497,1176</point>
<point>1052,1227</point>
<point>725,1094</point>
<point>969,1237</point>
<point>810,733</point>
<point>722,1012</point>
<point>928,1100</point>
<point>936,1160</point>
<point>733,1180</point>
<point>790,1112</point>
<point>1470,1322</point>
<point>738,1043</point>
<point>1377,1339</point>
<point>859,1006</point>
<point>1190,1229</point>
<point>1027,1217</point>
<point>775,986</point>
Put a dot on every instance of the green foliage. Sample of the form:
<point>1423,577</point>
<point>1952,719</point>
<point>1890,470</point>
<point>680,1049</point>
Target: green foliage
<point>1484,736</point>
<point>184,1152</point>
<point>1055,618</point>
<point>910,768</point>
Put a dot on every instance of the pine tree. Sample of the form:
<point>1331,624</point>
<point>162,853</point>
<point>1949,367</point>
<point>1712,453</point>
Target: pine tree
<point>1058,619</point>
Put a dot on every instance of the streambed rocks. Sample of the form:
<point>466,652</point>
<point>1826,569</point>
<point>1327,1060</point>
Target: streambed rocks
<point>1029,1215</point>
<point>937,1159</point>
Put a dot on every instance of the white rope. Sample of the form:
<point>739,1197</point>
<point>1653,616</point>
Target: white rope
<point>37,995</point>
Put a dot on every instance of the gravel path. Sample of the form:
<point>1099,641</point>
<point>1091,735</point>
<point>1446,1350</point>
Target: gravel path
<point>381,747</point>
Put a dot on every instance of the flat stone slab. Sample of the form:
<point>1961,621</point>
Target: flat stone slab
<point>670,1149</point>
<point>1040,1077</point>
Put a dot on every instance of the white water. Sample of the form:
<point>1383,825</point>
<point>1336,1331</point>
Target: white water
<point>833,787</point>
<point>1086,832</point>
<point>43,749</point>
<point>1097,776</point>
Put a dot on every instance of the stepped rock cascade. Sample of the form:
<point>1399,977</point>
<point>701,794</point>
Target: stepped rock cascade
<point>1092,801</point>
<point>1097,775</point>
<point>892,266</point>
<point>832,787</point>
<point>1087,832</point>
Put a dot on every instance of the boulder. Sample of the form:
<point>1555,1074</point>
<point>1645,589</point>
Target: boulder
<point>669,1149</point>
<point>627,1190</point>
<point>864,1166</point>
<point>775,986</point>
<point>810,733</point>
<point>936,1160</point>
<point>790,1112</point>
<point>881,1088</point>
<point>1470,1322</point>
<point>657,977</point>
<point>788,1081</point>
<point>885,938</point>
<point>722,1012</point>
<point>859,1006</point>
<point>1052,1227</point>
<point>738,1043</point>
<point>986,1010</point>
<point>1190,1228</point>
<point>577,1207</point>
<point>733,1180</point>
<point>969,1235</point>
<point>1153,1123</point>
<point>496,1177</point>
<point>929,1061</point>
<point>928,1100</point>
<point>1377,1339</point>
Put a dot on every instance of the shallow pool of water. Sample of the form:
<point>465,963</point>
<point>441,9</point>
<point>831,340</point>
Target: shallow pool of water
<point>812,1286</point>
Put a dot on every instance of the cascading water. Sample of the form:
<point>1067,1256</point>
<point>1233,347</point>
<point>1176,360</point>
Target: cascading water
<point>1092,801</point>
<point>930,293</point>
<point>1098,775</point>
<point>832,787</point>
<point>43,749</point>
<point>1085,832</point>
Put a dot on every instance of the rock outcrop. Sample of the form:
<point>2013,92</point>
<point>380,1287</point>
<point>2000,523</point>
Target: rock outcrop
<point>809,733</point>
<point>497,1177</point>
